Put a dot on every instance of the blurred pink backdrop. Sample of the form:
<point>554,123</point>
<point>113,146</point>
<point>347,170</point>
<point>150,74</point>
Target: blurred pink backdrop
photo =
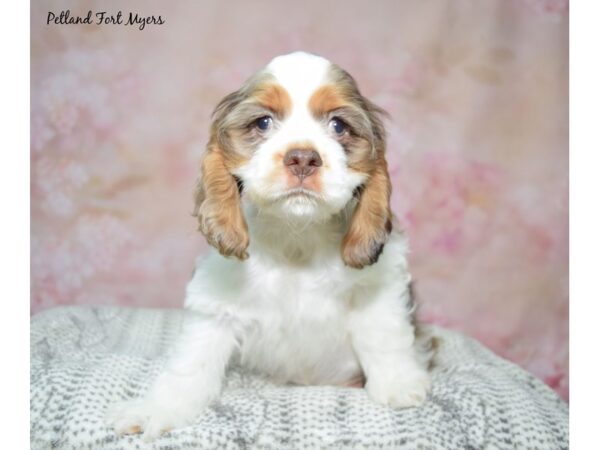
<point>478,149</point>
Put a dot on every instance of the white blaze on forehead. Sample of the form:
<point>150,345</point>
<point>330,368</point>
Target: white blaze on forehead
<point>300,73</point>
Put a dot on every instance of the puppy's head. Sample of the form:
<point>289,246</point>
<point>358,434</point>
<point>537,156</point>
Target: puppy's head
<point>299,141</point>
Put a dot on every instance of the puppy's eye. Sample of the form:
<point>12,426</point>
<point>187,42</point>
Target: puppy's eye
<point>337,126</point>
<point>264,123</point>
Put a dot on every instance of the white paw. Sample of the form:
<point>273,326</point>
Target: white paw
<point>148,417</point>
<point>399,391</point>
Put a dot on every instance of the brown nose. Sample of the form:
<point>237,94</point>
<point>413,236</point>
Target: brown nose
<point>302,162</point>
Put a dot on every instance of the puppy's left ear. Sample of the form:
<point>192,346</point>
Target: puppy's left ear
<point>371,223</point>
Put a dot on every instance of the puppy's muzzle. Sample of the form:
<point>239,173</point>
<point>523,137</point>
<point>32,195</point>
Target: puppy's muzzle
<point>301,162</point>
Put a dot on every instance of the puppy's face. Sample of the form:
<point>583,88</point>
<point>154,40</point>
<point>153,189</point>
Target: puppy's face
<point>298,140</point>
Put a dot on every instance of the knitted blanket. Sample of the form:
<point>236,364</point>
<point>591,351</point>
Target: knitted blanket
<point>83,359</point>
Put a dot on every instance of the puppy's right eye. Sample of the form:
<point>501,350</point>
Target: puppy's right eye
<point>264,123</point>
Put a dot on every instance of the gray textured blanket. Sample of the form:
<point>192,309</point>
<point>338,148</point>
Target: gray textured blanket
<point>83,359</point>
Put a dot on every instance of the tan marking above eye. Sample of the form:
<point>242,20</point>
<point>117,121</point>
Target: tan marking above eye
<point>325,99</point>
<point>274,97</point>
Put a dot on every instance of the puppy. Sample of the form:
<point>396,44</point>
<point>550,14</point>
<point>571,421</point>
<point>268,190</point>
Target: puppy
<point>310,282</point>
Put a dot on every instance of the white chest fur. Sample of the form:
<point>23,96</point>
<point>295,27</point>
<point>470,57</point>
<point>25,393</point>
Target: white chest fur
<point>292,318</point>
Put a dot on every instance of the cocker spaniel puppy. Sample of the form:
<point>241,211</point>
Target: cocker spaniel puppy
<point>310,282</point>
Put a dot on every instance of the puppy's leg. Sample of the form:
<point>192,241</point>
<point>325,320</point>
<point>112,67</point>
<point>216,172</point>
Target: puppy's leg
<point>384,341</point>
<point>191,379</point>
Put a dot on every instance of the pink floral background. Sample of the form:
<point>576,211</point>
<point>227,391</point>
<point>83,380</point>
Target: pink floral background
<point>478,149</point>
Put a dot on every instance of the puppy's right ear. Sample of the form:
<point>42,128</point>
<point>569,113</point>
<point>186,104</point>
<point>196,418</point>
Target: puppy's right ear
<point>218,204</point>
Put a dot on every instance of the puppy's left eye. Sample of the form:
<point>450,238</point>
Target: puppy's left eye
<point>337,126</point>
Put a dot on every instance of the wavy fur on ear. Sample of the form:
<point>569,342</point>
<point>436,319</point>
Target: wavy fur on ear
<point>371,222</point>
<point>217,196</point>
<point>218,191</point>
<point>218,206</point>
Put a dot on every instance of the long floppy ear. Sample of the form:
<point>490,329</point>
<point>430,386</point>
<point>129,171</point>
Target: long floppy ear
<point>218,206</point>
<point>371,222</point>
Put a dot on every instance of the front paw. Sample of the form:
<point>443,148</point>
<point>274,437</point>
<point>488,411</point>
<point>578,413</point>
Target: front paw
<point>149,417</point>
<point>397,391</point>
